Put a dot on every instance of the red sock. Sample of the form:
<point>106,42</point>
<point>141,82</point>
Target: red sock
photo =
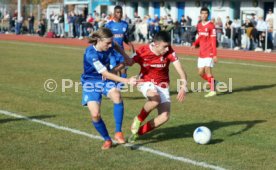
<point>145,128</point>
<point>211,81</point>
<point>205,77</point>
<point>143,115</point>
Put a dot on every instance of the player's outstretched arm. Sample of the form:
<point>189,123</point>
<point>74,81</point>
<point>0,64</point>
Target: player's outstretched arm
<point>183,80</point>
<point>118,68</point>
<point>111,76</point>
<point>128,60</point>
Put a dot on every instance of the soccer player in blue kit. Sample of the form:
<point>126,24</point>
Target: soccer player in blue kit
<point>97,81</point>
<point>120,30</point>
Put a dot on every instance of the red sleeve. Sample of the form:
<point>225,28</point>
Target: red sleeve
<point>172,56</point>
<point>213,36</point>
<point>137,58</point>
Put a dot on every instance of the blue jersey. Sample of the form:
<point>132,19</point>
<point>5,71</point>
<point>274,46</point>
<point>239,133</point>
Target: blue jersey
<point>119,30</point>
<point>94,63</point>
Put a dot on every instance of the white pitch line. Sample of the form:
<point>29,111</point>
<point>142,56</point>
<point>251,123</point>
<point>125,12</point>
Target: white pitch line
<point>182,58</point>
<point>141,148</point>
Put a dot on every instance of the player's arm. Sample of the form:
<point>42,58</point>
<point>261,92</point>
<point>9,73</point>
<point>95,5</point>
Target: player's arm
<point>213,38</point>
<point>118,68</point>
<point>129,61</point>
<point>182,81</point>
<point>127,41</point>
<point>197,41</point>
<point>101,69</point>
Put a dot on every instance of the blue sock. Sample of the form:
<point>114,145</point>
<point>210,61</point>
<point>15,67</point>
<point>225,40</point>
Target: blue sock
<point>118,110</point>
<point>100,127</point>
<point>124,75</point>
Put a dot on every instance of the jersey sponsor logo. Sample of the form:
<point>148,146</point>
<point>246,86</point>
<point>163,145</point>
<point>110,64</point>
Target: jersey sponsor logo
<point>155,65</point>
<point>203,33</point>
<point>118,35</point>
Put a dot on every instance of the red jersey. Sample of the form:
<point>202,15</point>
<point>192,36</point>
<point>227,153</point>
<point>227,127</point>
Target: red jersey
<point>206,40</point>
<point>154,68</point>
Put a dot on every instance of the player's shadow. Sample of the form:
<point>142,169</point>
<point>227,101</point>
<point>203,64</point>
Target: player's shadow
<point>2,121</point>
<point>186,131</point>
<point>248,89</point>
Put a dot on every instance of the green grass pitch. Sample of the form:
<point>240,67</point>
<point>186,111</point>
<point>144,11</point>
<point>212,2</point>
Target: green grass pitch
<point>243,123</point>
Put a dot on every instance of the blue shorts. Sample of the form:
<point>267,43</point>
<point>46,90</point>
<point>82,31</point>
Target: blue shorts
<point>92,91</point>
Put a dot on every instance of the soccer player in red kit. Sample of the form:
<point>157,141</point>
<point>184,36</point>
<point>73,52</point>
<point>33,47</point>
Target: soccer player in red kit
<point>208,51</point>
<point>154,60</point>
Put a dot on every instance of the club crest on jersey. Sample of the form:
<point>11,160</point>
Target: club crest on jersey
<point>162,59</point>
<point>124,29</point>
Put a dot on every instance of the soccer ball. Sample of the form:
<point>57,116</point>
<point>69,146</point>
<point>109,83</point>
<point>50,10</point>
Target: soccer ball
<point>202,135</point>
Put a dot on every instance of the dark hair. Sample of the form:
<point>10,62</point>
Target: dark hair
<point>101,33</point>
<point>205,9</point>
<point>162,36</point>
<point>118,7</point>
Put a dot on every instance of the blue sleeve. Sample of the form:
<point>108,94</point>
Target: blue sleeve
<point>93,60</point>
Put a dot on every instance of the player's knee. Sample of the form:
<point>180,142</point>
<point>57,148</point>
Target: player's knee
<point>115,96</point>
<point>165,116</point>
<point>95,116</point>
<point>154,97</point>
<point>200,73</point>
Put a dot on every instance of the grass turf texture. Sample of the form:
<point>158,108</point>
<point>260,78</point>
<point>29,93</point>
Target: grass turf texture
<point>243,122</point>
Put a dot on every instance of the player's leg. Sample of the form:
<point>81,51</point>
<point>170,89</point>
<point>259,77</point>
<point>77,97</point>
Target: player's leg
<point>201,68</point>
<point>151,93</point>
<point>98,123</point>
<point>163,114</point>
<point>114,94</point>
<point>211,80</point>
<point>91,98</point>
<point>163,117</point>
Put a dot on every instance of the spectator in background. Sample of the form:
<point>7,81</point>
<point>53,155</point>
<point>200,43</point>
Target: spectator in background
<point>219,29</point>
<point>227,27</point>
<point>183,24</point>
<point>213,20</point>
<point>41,28</point>
<point>52,19</point>
<point>189,22</point>
<point>71,24</point>
<point>270,21</point>
<point>253,20</point>
<point>127,19</point>
<point>142,30</point>
<point>236,26</point>
<point>19,23</point>
<point>31,20</point>
<point>261,27</point>
<point>61,24</point>
<point>56,21</point>
<point>177,32</point>
<point>248,39</point>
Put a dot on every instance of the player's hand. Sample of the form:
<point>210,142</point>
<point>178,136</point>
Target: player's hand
<point>192,47</point>
<point>215,59</point>
<point>132,81</point>
<point>181,94</point>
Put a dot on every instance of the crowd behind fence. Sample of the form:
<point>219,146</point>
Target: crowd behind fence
<point>251,35</point>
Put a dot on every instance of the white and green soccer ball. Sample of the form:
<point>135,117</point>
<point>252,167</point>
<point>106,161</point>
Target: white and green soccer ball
<point>202,135</point>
